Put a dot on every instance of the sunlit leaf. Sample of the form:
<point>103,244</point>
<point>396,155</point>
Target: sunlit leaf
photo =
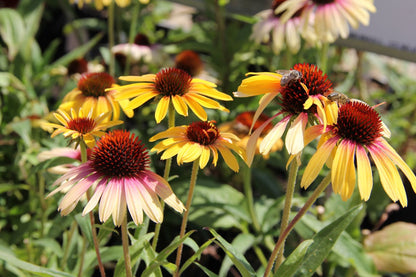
<point>238,258</point>
<point>393,248</point>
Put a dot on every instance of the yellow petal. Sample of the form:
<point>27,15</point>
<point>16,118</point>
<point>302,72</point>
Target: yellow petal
<point>229,158</point>
<point>399,162</point>
<point>140,100</point>
<point>204,158</point>
<point>177,131</point>
<point>179,105</point>
<point>317,162</point>
<point>162,108</point>
<point>172,151</point>
<point>389,175</point>
<point>196,108</point>
<point>364,174</point>
<point>143,78</point>
<point>343,170</point>
<point>264,101</point>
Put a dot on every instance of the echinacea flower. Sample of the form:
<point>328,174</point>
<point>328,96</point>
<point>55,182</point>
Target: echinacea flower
<point>100,4</point>
<point>80,127</point>
<point>190,62</point>
<point>61,152</point>
<point>139,51</point>
<point>241,125</point>
<point>302,101</point>
<point>345,146</point>
<point>330,17</point>
<point>199,140</point>
<point>118,173</point>
<point>172,86</point>
<point>93,93</point>
<point>281,34</point>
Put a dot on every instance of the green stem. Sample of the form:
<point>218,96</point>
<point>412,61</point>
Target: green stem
<point>248,191</point>
<point>132,34</point>
<point>64,260</point>
<point>324,183</point>
<point>323,57</point>
<point>293,171</point>
<point>84,158</point>
<point>125,241</point>
<point>111,66</point>
<point>171,123</point>
<point>194,174</point>
<point>84,249</point>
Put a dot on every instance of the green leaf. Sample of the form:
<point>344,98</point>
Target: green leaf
<point>28,267</point>
<point>50,245</point>
<point>241,243</point>
<point>74,54</point>
<point>292,263</point>
<point>206,270</point>
<point>323,242</point>
<point>85,225</point>
<point>238,259</point>
<point>135,251</point>
<point>160,259</point>
<point>346,248</point>
<point>12,30</point>
<point>51,163</point>
<point>196,255</point>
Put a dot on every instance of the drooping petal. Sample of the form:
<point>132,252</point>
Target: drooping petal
<point>119,211</point>
<point>180,105</point>
<point>317,162</point>
<point>389,175</point>
<point>272,136</point>
<point>162,108</point>
<point>364,173</point>
<point>294,137</point>
<point>162,188</point>
<point>229,158</point>
<point>134,205</point>
<point>343,170</point>
<point>399,162</point>
<point>108,202</point>
<point>140,100</point>
<point>95,197</point>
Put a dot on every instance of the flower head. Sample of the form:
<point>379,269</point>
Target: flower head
<point>81,127</point>
<point>345,146</point>
<point>118,172</point>
<point>172,85</point>
<point>280,33</point>
<point>92,93</point>
<point>330,17</point>
<point>100,4</point>
<point>198,141</point>
<point>302,101</point>
<point>190,62</point>
<point>241,125</point>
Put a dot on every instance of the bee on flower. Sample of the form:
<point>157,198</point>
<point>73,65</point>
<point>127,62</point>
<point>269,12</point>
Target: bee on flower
<point>198,141</point>
<point>302,101</point>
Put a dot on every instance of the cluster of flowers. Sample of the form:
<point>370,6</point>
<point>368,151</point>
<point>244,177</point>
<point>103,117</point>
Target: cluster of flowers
<point>316,21</point>
<point>117,167</point>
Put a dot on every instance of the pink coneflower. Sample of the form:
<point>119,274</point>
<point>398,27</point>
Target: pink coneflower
<point>118,172</point>
<point>281,34</point>
<point>345,145</point>
<point>330,17</point>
